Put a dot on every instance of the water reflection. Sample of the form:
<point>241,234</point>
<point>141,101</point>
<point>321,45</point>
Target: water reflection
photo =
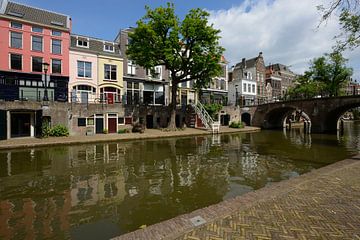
<point>103,190</point>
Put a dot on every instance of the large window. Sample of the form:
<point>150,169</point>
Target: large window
<point>153,93</point>
<point>56,33</point>
<point>16,40</point>
<point>16,61</point>
<point>37,64</point>
<point>84,69</point>
<point>56,66</point>
<point>133,93</point>
<point>109,72</point>
<point>37,29</point>
<point>16,25</point>
<point>56,46</point>
<point>37,43</point>
<point>131,69</point>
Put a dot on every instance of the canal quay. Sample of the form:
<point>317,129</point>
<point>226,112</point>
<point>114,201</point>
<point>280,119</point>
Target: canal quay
<point>249,185</point>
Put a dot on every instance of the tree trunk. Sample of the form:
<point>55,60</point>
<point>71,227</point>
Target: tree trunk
<point>172,113</point>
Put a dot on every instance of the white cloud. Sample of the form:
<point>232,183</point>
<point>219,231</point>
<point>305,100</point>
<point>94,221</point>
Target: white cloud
<point>284,30</point>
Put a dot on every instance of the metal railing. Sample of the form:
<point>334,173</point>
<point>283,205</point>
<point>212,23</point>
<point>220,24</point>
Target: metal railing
<point>205,117</point>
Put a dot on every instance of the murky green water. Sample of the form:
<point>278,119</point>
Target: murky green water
<point>104,190</point>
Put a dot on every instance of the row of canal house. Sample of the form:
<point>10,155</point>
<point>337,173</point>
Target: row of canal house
<point>89,84</point>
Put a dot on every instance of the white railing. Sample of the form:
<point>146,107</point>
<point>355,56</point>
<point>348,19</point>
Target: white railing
<point>205,117</point>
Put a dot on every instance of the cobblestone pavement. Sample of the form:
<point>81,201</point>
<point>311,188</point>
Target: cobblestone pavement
<point>148,134</point>
<point>322,204</point>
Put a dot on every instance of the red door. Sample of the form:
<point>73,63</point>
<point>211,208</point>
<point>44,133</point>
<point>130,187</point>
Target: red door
<point>112,125</point>
<point>110,97</point>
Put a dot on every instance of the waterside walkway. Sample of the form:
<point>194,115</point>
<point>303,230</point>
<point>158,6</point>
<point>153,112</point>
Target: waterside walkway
<point>322,204</point>
<point>148,134</point>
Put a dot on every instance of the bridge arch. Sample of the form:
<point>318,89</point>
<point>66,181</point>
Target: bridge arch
<point>332,118</point>
<point>246,118</point>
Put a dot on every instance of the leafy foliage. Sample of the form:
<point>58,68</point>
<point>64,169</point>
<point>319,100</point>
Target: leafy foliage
<point>213,109</point>
<point>189,49</point>
<point>349,20</point>
<point>59,131</point>
<point>236,125</point>
<point>326,76</point>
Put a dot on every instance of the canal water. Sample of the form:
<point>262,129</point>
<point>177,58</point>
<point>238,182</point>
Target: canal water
<point>98,191</point>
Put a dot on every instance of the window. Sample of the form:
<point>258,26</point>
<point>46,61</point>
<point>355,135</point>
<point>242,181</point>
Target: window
<point>16,25</point>
<point>82,43</point>
<point>16,61</point>
<point>157,72</point>
<point>244,87</point>
<point>153,93</point>
<point>109,72</point>
<point>131,69</point>
<point>37,29</point>
<point>108,48</point>
<point>133,93</point>
<point>56,46</point>
<point>121,120</point>
<point>56,66</point>
<point>81,122</point>
<point>37,43</point>
<point>84,69</point>
<point>253,88</point>
<point>249,88</point>
<point>16,40</point>
<point>56,33</point>
<point>37,64</point>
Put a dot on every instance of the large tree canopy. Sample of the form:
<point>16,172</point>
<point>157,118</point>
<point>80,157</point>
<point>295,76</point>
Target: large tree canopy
<point>327,76</point>
<point>349,19</point>
<point>189,49</point>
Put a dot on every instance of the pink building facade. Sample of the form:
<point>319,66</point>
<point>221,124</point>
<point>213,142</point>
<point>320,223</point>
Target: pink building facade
<point>30,37</point>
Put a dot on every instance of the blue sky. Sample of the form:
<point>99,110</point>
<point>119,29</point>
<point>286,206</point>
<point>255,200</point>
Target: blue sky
<point>286,31</point>
<point>104,18</point>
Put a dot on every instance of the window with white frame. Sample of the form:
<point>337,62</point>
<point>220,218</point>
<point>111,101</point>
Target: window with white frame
<point>244,87</point>
<point>249,88</point>
<point>82,43</point>
<point>37,29</point>
<point>16,61</point>
<point>84,69</point>
<point>109,72</point>
<point>132,93</point>
<point>131,67</point>
<point>37,43</point>
<point>37,64</point>
<point>109,47</point>
<point>56,46</point>
<point>16,25</point>
<point>56,33</point>
<point>15,40</point>
<point>156,74</point>
<point>253,88</point>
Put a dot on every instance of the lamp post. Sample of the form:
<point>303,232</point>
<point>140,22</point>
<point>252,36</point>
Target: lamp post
<point>236,95</point>
<point>46,68</point>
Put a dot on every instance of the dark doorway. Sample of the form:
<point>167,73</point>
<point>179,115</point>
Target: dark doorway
<point>112,124</point>
<point>183,98</point>
<point>99,125</point>
<point>177,121</point>
<point>149,121</point>
<point>20,125</point>
<point>246,118</point>
<point>224,120</point>
<point>3,123</point>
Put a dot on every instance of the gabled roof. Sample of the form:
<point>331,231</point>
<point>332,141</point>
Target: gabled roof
<point>96,46</point>
<point>279,67</point>
<point>36,15</point>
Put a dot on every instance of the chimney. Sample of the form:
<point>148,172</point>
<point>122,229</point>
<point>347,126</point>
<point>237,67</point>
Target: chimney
<point>3,5</point>
<point>243,63</point>
<point>260,54</point>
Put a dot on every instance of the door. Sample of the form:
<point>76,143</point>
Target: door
<point>20,124</point>
<point>149,121</point>
<point>183,98</point>
<point>84,97</point>
<point>99,125</point>
<point>112,124</point>
<point>3,123</point>
<point>110,98</point>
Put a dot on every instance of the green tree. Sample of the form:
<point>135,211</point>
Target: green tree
<point>349,19</point>
<point>331,71</point>
<point>305,87</point>
<point>189,49</point>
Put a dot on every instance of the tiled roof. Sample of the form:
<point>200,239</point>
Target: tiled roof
<point>249,63</point>
<point>96,46</point>
<point>37,15</point>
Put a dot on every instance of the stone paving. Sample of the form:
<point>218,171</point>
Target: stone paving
<point>322,204</point>
<point>148,134</point>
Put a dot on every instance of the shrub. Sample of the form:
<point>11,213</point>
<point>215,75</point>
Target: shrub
<point>120,131</point>
<point>138,127</point>
<point>105,131</point>
<point>45,130</point>
<point>213,109</point>
<point>59,131</point>
<point>236,124</point>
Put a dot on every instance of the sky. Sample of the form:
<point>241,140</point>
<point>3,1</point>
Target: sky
<point>286,31</point>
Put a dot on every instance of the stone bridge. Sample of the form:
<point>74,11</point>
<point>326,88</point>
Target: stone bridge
<point>322,112</point>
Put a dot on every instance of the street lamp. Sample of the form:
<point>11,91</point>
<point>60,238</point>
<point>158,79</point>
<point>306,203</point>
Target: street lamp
<point>236,96</point>
<point>46,68</point>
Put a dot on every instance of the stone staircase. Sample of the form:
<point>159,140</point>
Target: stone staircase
<point>205,117</point>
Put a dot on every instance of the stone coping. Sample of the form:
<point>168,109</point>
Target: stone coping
<point>180,225</point>
<point>17,143</point>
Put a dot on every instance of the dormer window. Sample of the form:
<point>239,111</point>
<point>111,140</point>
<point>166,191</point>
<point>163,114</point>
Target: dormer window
<point>82,43</point>
<point>109,47</point>
<point>16,25</point>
